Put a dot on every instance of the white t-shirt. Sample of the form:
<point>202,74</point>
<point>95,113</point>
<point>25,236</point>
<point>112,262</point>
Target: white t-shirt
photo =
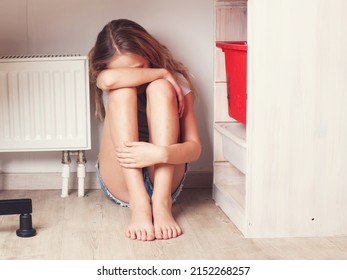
<point>141,107</point>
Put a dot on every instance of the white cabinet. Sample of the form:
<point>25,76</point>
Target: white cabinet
<point>285,173</point>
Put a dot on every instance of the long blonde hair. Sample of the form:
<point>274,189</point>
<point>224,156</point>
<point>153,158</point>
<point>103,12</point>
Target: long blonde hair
<point>126,36</point>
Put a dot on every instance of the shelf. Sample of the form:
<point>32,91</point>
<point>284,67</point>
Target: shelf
<point>234,143</point>
<point>231,181</point>
<point>229,192</point>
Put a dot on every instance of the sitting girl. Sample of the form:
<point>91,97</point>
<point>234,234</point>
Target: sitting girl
<point>145,99</point>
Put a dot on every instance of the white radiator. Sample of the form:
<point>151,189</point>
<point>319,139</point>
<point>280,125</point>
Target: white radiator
<point>44,104</point>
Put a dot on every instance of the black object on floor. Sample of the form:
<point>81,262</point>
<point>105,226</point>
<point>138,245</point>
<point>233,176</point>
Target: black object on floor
<point>22,207</point>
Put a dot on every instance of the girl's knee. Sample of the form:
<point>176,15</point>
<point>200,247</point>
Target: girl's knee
<point>160,86</point>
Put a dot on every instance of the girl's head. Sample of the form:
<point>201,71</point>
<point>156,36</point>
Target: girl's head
<point>125,36</point>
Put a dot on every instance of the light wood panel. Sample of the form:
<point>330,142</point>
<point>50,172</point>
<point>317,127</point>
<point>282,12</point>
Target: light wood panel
<point>296,116</point>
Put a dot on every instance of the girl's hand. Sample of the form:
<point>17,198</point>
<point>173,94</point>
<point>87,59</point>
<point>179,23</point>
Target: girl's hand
<point>139,154</point>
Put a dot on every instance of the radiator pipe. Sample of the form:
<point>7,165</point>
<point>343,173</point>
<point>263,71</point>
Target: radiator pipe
<point>81,172</point>
<point>65,180</point>
<point>66,160</point>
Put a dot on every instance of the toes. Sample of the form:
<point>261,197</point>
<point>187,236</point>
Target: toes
<point>167,232</point>
<point>164,232</point>
<point>150,237</point>
<point>174,232</point>
<point>141,234</point>
<point>147,235</point>
<point>138,234</point>
<point>130,234</point>
<point>178,230</point>
<point>158,233</point>
<point>170,233</point>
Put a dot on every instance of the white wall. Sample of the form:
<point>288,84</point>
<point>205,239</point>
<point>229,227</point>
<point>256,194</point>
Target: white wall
<point>71,26</point>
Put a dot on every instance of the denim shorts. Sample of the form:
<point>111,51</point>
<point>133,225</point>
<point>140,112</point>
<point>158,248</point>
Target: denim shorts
<point>148,186</point>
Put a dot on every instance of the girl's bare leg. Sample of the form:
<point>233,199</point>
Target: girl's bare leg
<point>163,122</point>
<point>126,184</point>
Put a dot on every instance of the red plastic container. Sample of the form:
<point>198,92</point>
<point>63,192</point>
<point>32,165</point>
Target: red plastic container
<point>236,73</point>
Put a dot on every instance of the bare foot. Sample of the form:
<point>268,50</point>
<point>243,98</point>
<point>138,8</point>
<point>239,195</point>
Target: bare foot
<point>141,226</point>
<point>165,226</point>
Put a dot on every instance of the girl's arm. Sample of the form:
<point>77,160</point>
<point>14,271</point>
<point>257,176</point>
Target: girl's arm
<point>190,148</point>
<point>116,78</point>
<point>143,154</point>
<point>111,79</point>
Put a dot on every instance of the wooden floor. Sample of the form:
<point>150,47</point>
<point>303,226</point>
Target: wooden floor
<point>93,228</point>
